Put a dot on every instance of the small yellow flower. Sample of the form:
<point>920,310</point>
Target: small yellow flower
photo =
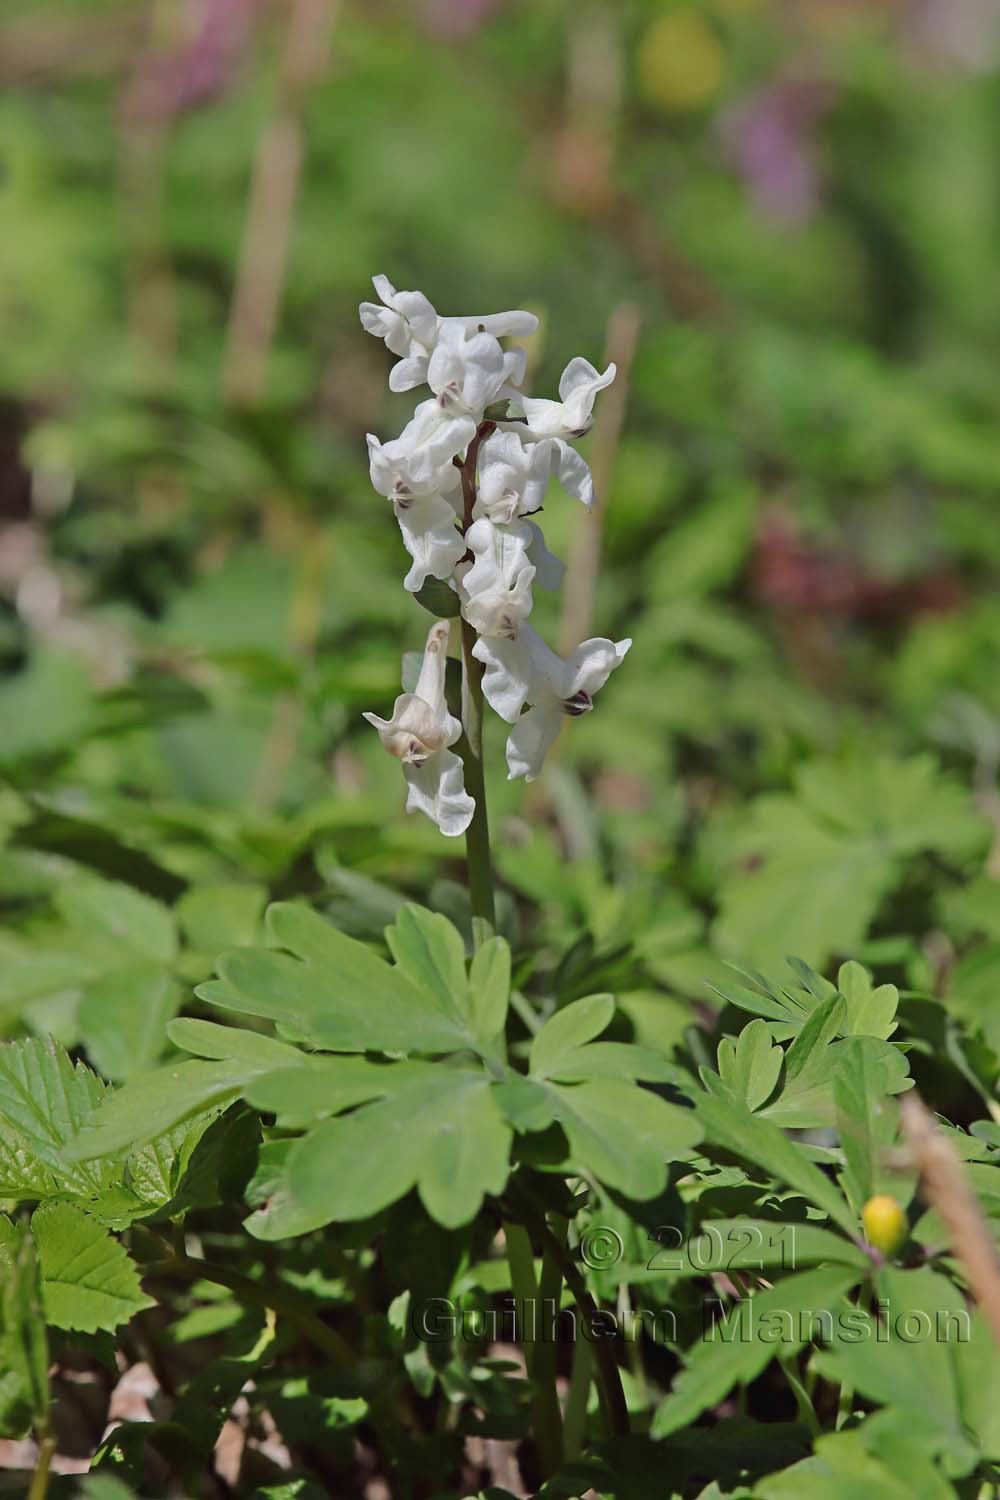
<point>885,1223</point>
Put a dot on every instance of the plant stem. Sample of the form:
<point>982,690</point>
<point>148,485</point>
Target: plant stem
<point>477,835</point>
<point>548,1417</point>
<point>609,1384</point>
<point>575,1418</point>
<point>40,1479</point>
<point>523,1285</point>
<point>807,1412</point>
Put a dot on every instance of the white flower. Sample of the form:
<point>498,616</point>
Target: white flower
<point>573,415</point>
<point>409,326</point>
<point>495,589</point>
<point>419,461</point>
<point>514,475</point>
<point>549,569</point>
<point>526,670</point>
<point>431,537</point>
<point>419,734</point>
<point>416,472</point>
<point>467,372</point>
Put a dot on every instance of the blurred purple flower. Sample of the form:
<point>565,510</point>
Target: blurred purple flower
<point>200,67</point>
<point>454,19</point>
<point>768,139</point>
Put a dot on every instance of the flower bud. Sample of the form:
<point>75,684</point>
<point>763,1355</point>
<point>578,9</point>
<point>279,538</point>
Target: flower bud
<point>885,1223</point>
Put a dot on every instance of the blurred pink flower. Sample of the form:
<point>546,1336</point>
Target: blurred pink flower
<point>768,140</point>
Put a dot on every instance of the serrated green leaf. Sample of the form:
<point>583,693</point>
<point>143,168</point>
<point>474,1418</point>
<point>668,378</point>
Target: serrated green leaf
<point>24,1359</point>
<point>88,1281</point>
<point>45,1100</point>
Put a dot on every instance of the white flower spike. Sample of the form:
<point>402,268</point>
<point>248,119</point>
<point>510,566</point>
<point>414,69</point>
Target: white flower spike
<point>420,734</point>
<point>529,671</point>
<point>472,531</point>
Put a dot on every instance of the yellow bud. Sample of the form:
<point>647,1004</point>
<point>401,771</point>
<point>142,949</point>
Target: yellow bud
<point>885,1223</point>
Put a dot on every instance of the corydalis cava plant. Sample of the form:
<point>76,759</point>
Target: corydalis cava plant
<point>463,486</point>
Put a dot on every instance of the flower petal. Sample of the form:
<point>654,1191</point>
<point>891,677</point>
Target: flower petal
<point>437,789</point>
<point>431,537</point>
<point>531,739</point>
<point>507,678</point>
<point>592,663</point>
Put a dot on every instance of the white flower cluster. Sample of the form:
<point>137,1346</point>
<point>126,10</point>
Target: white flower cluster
<point>491,553</point>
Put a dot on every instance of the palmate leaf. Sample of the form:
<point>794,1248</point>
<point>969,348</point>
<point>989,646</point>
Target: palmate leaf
<point>439,1129</point>
<point>623,1134</point>
<point>337,994</point>
<point>820,1020</point>
<point>88,1282</point>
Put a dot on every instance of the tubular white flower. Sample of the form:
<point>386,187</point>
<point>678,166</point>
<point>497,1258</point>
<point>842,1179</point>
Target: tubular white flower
<point>495,589</point>
<point>572,416</point>
<point>429,525</point>
<point>526,670</point>
<point>549,569</point>
<point>419,461</point>
<point>420,733</point>
<point>467,372</point>
<point>409,326</point>
<point>514,473</point>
